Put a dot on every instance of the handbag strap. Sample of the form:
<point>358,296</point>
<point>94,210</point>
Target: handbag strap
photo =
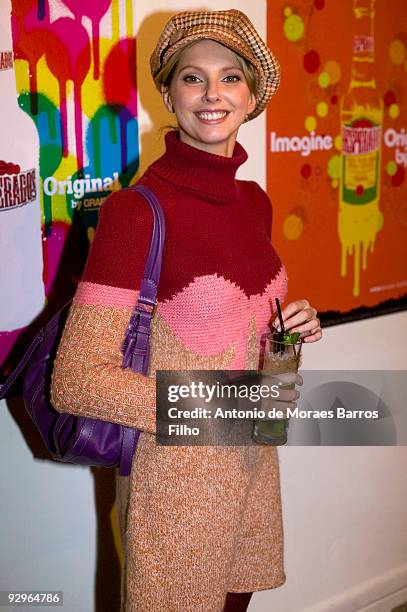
<point>152,270</point>
<point>136,343</point>
<point>38,338</point>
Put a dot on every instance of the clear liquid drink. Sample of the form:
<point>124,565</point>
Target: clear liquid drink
<point>277,358</point>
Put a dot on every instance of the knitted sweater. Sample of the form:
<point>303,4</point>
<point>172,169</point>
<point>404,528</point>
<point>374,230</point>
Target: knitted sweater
<point>219,273</point>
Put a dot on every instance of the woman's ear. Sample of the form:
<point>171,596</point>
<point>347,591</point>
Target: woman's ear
<point>167,98</point>
<point>252,103</point>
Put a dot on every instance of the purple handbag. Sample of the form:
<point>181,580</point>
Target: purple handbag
<point>82,440</point>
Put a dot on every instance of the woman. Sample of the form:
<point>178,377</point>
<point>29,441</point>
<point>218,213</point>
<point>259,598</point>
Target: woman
<point>201,526</point>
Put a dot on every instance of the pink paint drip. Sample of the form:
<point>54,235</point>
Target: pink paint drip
<point>71,62</point>
<point>95,12</point>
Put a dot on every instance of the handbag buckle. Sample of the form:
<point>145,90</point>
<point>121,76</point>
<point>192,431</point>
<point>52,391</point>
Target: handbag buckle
<point>152,306</point>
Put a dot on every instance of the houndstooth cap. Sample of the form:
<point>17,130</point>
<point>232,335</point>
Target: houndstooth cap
<point>231,28</point>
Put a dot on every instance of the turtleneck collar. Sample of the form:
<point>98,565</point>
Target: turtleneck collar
<point>210,174</point>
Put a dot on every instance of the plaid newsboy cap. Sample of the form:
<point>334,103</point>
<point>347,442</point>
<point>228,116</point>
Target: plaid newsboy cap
<point>231,28</point>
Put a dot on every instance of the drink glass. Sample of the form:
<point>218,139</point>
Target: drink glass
<point>276,357</point>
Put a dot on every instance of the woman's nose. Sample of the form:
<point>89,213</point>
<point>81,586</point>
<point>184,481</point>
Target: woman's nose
<point>212,90</point>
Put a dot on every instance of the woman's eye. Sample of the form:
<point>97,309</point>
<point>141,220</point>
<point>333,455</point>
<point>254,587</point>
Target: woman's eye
<point>190,78</point>
<point>234,77</point>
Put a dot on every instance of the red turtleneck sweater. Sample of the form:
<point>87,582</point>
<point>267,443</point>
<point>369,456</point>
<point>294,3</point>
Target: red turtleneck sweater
<point>219,272</point>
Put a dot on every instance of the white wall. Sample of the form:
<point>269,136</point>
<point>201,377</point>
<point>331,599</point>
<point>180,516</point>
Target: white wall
<point>345,508</point>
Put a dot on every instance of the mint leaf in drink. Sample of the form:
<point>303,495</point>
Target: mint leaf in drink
<point>291,337</point>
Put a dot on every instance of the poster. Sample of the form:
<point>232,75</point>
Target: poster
<point>337,153</point>
<point>70,137</point>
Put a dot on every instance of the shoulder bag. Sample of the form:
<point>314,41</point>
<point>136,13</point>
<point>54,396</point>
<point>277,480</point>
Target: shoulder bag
<point>83,440</point>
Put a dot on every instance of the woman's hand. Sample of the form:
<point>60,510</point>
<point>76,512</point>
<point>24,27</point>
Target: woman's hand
<point>286,399</point>
<point>299,316</point>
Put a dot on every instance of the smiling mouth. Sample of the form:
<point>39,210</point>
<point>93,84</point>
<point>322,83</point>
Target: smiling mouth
<point>212,117</point>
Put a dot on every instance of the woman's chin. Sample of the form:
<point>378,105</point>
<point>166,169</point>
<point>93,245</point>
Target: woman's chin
<point>211,134</point>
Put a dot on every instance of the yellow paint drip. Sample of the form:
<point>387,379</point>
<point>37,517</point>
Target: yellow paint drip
<point>358,227</point>
<point>129,18</point>
<point>115,20</point>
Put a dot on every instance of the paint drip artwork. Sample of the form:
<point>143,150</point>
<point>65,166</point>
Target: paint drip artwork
<point>68,72</point>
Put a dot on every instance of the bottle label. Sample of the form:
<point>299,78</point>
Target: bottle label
<point>363,44</point>
<point>17,187</point>
<point>360,153</point>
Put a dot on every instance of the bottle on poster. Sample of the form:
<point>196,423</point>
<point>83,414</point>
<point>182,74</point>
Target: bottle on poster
<point>21,282</point>
<point>361,110</point>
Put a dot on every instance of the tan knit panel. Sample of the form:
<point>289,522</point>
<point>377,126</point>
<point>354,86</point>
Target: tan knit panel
<point>201,521</point>
<point>88,380</point>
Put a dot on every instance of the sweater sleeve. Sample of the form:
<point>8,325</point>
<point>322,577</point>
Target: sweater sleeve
<point>87,377</point>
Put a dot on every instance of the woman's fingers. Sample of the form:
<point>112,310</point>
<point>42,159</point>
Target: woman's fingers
<point>308,328</point>
<point>292,308</point>
<point>314,336</point>
<point>287,378</point>
<point>295,317</point>
<point>287,395</point>
<point>300,316</point>
<point>287,398</point>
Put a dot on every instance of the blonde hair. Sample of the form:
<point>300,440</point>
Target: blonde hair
<point>164,76</point>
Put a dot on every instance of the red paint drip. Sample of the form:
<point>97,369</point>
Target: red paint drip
<point>95,11</point>
<point>96,50</point>
<point>119,78</point>
<point>64,118</point>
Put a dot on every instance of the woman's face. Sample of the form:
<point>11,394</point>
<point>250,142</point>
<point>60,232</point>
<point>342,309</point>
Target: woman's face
<point>210,97</point>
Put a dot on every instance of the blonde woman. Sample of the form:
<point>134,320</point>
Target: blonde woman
<point>201,525</point>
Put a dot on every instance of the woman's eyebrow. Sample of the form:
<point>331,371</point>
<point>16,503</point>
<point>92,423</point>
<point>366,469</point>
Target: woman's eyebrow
<point>203,69</point>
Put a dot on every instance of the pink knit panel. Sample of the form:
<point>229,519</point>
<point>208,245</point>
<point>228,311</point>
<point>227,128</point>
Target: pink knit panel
<point>212,313</point>
<point>208,316</point>
<point>94,294</point>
